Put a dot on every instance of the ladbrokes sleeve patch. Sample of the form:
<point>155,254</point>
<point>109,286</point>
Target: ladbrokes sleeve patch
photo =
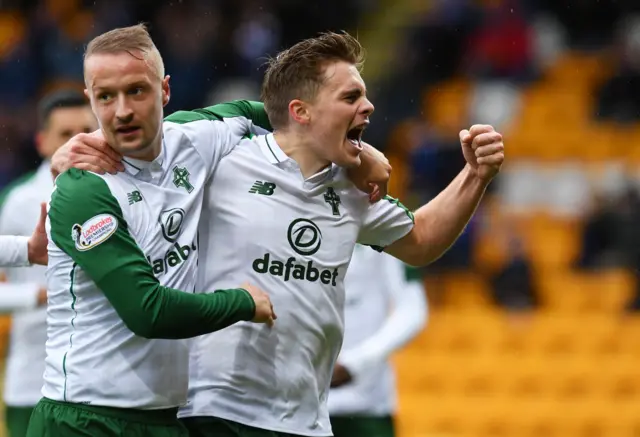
<point>94,231</point>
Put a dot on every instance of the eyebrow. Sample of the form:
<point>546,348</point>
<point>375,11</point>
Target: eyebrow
<point>132,84</point>
<point>356,92</point>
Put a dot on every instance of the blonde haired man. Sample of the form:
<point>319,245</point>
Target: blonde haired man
<point>123,253</point>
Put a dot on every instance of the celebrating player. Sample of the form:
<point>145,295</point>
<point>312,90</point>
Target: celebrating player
<point>281,211</point>
<point>113,366</point>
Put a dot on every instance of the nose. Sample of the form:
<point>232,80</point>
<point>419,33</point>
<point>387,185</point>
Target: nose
<point>123,110</point>
<point>367,107</point>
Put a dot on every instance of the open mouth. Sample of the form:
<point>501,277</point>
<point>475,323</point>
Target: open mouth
<point>354,135</point>
<point>127,129</point>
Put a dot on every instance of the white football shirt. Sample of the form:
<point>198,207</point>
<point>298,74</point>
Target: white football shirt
<point>143,220</point>
<point>294,239</point>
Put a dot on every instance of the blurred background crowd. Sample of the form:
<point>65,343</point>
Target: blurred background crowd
<point>533,328</point>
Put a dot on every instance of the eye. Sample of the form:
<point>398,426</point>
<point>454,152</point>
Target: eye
<point>104,97</point>
<point>136,91</point>
<point>351,99</point>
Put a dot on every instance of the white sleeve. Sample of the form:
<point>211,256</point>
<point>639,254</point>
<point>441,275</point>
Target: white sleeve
<point>14,251</point>
<point>385,222</point>
<point>21,296</point>
<point>408,318</point>
<point>216,130</point>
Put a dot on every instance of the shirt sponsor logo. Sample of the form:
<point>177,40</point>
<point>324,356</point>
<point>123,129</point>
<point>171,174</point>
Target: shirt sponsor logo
<point>174,257</point>
<point>305,238</point>
<point>94,231</point>
<point>292,269</point>
<point>171,222</point>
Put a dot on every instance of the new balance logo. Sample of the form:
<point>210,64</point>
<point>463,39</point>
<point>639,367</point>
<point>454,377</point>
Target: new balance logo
<point>134,197</point>
<point>264,188</point>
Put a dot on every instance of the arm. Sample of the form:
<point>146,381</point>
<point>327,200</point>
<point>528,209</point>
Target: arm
<point>117,265</point>
<point>252,111</point>
<point>216,130</point>
<point>14,251</point>
<point>439,223</point>
<point>23,296</point>
<point>407,319</point>
<point>92,153</point>
<point>19,251</point>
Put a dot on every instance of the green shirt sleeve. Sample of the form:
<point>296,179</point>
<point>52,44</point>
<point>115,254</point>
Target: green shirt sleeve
<point>253,111</point>
<point>113,260</point>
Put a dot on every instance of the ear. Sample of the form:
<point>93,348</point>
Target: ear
<point>166,90</point>
<point>86,94</point>
<point>299,111</point>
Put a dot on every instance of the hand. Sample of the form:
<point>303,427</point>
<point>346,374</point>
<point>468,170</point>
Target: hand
<point>341,376</point>
<point>483,150</point>
<point>37,244</point>
<point>264,307</point>
<point>42,297</point>
<point>86,152</point>
<point>372,175</point>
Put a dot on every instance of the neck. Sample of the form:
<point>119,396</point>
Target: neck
<point>148,153</point>
<point>294,145</point>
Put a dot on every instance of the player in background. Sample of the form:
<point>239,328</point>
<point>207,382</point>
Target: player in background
<point>286,197</point>
<point>61,115</point>
<point>385,307</point>
<point>21,251</point>
<point>123,253</point>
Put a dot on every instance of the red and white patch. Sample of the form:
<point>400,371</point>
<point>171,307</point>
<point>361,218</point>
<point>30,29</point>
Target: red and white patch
<point>94,231</point>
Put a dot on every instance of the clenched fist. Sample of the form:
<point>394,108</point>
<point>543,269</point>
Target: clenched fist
<point>483,150</point>
<point>264,307</point>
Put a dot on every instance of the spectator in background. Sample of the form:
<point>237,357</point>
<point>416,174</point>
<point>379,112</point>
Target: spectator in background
<point>589,23</point>
<point>188,37</point>
<point>611,236</point>
<point>62,30</point>
<point>19,79</point>
<point>513,286</point>
<point>501,46</point>
<point>598,236</point>
<point>257,34</point>
<point>618,99</point>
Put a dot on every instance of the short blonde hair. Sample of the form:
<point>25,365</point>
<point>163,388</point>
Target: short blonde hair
<point>130,40</point>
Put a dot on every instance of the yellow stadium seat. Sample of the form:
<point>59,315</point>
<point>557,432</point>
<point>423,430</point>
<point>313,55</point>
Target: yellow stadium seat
<point>558,373</point>
<point>465,290</point>
<point>552,243</point>
<point>575,291</point>
<point>579,71</point>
